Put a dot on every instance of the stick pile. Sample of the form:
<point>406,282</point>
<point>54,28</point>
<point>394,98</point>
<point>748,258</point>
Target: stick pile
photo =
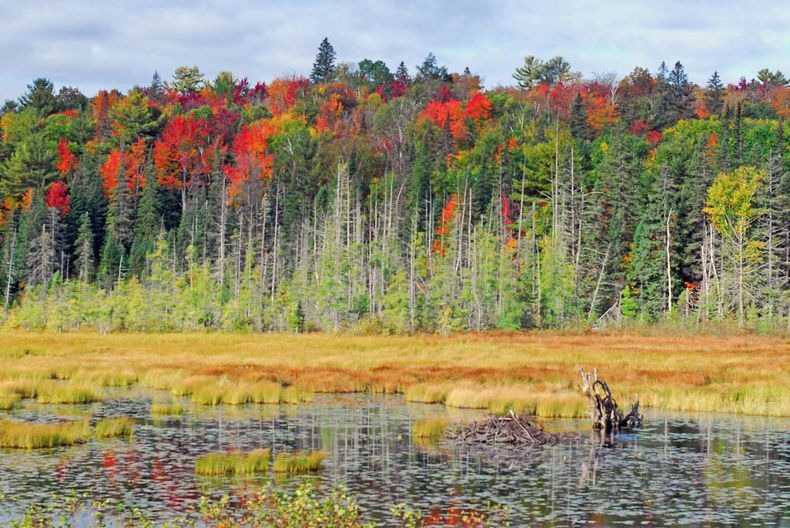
<point>510,429</point>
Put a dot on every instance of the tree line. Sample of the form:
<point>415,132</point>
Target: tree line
<point>378,201</point>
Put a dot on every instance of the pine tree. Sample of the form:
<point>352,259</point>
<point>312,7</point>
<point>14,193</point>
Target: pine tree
<point>714,95</point>
<point>40,96</point>
<point>402,74</point>
<point>580,125</point>
<point>149,217</point>
<point>324,64</point>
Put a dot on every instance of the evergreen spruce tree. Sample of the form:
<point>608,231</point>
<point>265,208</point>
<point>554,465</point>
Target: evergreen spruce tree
<point>402,74</point>
<point>580,125</point>
<point>714,95</point>
<point>324,64</point>
<point>40,96</point>
<point>146,225</point>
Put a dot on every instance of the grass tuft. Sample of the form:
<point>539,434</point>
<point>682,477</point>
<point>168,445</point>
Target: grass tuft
<point>431,429</point>
<point>167,409</point>
<point>427,393</point>
<point>114,427</point>
<point>298,462</point>
<point>60,392</point>
<point>8,401</point>
<point>295,394</point>
<point>233,463</point>
<point>25,435</point>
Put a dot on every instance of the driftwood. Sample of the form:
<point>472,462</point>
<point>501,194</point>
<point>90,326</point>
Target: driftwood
<point>503,430</point>
<point>605,413</point>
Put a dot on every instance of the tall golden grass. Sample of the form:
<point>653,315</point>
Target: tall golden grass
<point>534,372</point>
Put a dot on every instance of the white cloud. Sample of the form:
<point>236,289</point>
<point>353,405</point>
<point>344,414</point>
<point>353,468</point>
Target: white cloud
<point>117,44</point>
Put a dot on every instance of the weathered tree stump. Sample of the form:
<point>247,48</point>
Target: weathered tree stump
<point>605,412</point>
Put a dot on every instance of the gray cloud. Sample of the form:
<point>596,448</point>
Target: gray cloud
<point>116,44</point>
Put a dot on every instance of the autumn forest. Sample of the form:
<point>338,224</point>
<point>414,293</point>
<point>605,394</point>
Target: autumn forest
<point>366,199</point>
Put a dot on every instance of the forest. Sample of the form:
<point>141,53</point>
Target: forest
<point>368,200</point>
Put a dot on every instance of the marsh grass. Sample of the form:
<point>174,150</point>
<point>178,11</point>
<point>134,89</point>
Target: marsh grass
<point>427,393</point>
<point>263,392</point>
<point>25,435</point>
<point>66,392</point>
<point>8,401</point>
<point>114,428</point>
<point>430,428</point>
<point>740,374</point>
<point>295,394</point>
<point>233,462</point>
<point>167,409</point>
<point>298,462</point>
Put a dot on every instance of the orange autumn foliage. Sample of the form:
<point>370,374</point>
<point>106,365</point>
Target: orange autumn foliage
<point>445,224</point>
<point>446,115</point>
<point>253,160</point>
<point>67,161</point>
<point>132,162</point>
<point>57,197</point>
<point>181,156</point>
<point>478,108</point>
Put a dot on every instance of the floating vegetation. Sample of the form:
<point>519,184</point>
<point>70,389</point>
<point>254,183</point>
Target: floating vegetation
<point>430,429</point>
<point>26,435</point>
<point>167,409</point>
<point>233,462</point>
<point>298,462</point>
<point>114,428</point>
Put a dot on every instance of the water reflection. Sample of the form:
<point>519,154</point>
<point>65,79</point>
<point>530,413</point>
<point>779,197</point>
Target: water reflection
<point>679,469</point>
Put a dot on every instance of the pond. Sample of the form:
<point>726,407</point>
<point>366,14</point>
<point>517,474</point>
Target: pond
<point>679,469</point>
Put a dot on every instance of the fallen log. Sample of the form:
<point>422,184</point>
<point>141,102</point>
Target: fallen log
<point>509,430</point>
<point>605,412</point>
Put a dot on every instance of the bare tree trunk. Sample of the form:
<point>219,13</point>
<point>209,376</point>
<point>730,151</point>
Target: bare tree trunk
<point>10,274</point>
<point>223,227</point>
<point>669,263</point>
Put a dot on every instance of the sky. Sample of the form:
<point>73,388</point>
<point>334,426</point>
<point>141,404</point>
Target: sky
<point>104,44</point>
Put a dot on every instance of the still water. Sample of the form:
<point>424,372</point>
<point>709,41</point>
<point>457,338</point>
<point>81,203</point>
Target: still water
<point>678,470</point>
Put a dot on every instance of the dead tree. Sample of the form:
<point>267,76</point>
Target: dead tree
<point>605,412</point>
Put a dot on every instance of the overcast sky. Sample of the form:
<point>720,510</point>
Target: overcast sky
<point>117,44</point>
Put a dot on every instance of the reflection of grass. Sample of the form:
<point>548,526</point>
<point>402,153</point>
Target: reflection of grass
<point>232,462</point>
<point>298,462</point>
<point>114,427</point>
<point>430,428</point>
<point>24,435</point>
<point>534,372</point>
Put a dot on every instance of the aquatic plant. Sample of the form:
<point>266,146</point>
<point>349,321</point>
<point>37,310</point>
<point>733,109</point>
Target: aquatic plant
<point>114,427</point>
<point>298,462</point>
<point>26,435</point>
<point>233,462</point>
